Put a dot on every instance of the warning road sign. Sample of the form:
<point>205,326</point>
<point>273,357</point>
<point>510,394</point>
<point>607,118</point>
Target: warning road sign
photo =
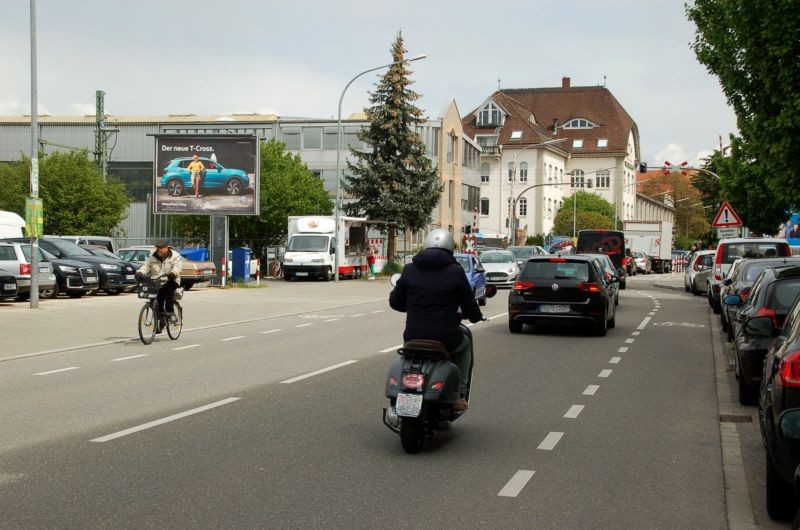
<point>726,217</point>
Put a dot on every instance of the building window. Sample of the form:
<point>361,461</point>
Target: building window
<point>317,174</point>
<point>516,135</point>
<point>561,175</point>
<point>291,137</point>
<point>484,206</point>
<point>510,171</point>
<point>312,137</point>
<point>577,142</point>
<point>485,173</point>
<point>523,207</point>
<point>508,210</point>
<point>604,179</point>
<point>490,115</point>
<point>523,172</point>
<point>602,142</point>
<point>451,148</point>
<point>330,138</point>
<point>576,180</point>
<point>579,123</point>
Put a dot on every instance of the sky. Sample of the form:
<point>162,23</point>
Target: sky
<point>294,58</point>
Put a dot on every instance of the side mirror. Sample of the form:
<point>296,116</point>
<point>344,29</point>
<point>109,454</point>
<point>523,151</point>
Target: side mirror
<point>732,299</point>
<point>615,279</point>
<point>479,269</point>
<point>620,272</point>
<point>393,280</point>
<point>760,326</point>
<point>491,290</point>
<point>726,282</point>
<point>789,425</point>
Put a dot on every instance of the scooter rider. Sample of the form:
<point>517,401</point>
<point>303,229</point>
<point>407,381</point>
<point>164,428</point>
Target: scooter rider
<point>430,291</point>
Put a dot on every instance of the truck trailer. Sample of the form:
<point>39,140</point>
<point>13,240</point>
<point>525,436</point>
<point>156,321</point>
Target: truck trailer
<point>652,238</point>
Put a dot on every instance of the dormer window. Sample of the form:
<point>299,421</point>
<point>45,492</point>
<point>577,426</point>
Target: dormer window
<point>579,123</point>
<point>516,135</point>
<point>490,116</point>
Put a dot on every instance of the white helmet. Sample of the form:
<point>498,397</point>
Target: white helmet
<point>440,238</point>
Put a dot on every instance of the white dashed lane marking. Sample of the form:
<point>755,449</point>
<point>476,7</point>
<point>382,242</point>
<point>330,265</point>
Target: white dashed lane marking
<point>605,373</point>
<point>629,341</point>
<point>516,484</point>
<point>636,333</point>
<point>185,347</point>
<point>573,411</point>
<point>357,315</point>
<point>58,371</point>
<point>126,358</point>
<point>615,360</point>
<point>332,320</point>
<point>303,325</point>
<point>269,331</point>
<point>233,338</point>
<point>379,311</point>
<point>317,372</point>
<point>622,349</point>
<point>591,390</point>
<point>550,441</point>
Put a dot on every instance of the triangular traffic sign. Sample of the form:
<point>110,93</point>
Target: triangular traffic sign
<point>726,217</point>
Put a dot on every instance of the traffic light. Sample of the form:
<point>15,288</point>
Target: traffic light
<point>643,167</point>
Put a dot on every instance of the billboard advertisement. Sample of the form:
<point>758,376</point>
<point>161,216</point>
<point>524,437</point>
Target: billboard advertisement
<point>791,230</point>
<point>201,174</point>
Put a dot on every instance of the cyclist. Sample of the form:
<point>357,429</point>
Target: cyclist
<point>164,265</point>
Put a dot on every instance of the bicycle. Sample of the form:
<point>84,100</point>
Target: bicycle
<point>275,269</point>
<point>151,320</point>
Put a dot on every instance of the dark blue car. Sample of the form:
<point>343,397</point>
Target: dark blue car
<point>176,178</point>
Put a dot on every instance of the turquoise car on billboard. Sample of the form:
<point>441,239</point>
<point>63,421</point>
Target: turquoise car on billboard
<point>176,178</point>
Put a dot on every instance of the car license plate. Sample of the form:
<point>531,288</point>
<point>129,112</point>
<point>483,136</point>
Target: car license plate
<point>408,405</point>
<point>10,286</point>
<point>207,271</point>
<point>301,274</point>
<point>554,308</point>
<point>130,276</point>
<point>91,279</point>
<point>44,269</point>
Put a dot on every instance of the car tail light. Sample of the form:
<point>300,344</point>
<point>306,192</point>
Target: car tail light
<point>589,287</point>
<point>718,264</point>
<point>768,312</point>
<point>558,260</point>
<point>521,285</point>
<point>790,370</point>
<point>438,385</point>
<point>24,269</point>
<point>744,293</point>
<point>214,270</point>
<point>413,381</point>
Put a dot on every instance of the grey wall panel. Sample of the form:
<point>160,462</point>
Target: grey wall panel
<point>15,140</point>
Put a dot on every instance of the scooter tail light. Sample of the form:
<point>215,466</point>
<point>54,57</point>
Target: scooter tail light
<point>790,370</point>
<point>413,381</point>
<point>438,385</point>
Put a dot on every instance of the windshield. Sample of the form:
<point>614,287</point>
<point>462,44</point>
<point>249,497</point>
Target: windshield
<point>783,293</point>
<point>523,252</point>
<point>464,262</point>
<point>308,244</point>
<point>732,251</point>
<point>497,257</point>
<point>134,254</point>
<point>102,252</point>
<point>68,248</point>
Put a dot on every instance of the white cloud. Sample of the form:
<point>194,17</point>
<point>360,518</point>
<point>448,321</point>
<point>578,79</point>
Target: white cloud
<point>9,106</point>
<point>676,154</point>
<point>83,109</point>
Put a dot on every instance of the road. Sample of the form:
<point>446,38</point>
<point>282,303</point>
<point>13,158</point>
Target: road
<point>267,413</point>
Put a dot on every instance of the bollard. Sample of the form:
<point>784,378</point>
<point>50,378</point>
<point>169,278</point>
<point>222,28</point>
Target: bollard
<point>258,271</point>
<point>224,272</point>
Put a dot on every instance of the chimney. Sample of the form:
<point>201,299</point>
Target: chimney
<point>565,82</point>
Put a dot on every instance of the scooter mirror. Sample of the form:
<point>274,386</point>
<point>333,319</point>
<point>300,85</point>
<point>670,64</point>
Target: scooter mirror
<point>393,280</point>
<point>491,290</point>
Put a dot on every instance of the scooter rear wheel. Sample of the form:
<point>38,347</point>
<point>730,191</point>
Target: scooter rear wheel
<point>412,434</point>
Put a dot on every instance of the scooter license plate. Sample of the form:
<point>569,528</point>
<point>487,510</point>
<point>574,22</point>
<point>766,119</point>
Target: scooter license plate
<point>408,405</point>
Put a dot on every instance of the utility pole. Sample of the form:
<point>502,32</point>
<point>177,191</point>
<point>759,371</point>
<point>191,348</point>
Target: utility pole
<point>100,138</point>
<point>33,204</point>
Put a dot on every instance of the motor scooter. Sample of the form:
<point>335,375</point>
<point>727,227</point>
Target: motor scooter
<point>422,386</point>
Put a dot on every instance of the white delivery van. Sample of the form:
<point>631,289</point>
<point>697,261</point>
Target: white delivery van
<point>11,225</point>
<point>653,238</point>
<point>313,245</point>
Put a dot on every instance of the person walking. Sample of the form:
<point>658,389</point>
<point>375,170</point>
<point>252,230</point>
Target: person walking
<point>371,252</point>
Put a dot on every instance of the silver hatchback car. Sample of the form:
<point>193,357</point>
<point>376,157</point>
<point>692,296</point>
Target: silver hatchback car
<point>698,272</point>
<point>13,258</point>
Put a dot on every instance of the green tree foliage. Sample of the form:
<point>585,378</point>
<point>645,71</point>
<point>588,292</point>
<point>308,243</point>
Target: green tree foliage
<point>690,217</point>
<point>753,47</point>
<point>593,212</point>
<point>538,239</point>
<point>393,180</point>
<point>287,187</point>
<point>75,197</point>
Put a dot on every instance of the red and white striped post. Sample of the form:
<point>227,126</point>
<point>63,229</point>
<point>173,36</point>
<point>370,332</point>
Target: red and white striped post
<point>224,272</point>
<point>258,271</point>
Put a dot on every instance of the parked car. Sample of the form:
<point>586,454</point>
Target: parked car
<point>115,276</point>
<point>741,275</point>
<point>728,250</point>
<point>643,262</point>
<point>13,259</point>
<point>773,293</point>
<point>522,253</point>
<point>101,241</point>
<point>192,271</point>
<point>475,275</point>
<point>501,267</point>
<point>176,178</point>
<point>695,279</point>
<point>8,285</point>
<point>778,394</point>
<point>609,272</point>
<point>568,289</point>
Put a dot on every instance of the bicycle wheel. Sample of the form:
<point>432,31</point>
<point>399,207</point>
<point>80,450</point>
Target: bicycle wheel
<point>275,269</point>
<point>147,324</point>
<point>175,324</point>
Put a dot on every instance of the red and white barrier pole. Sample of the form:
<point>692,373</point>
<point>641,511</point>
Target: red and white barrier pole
<point>224,272</point>
<point>258,271</point>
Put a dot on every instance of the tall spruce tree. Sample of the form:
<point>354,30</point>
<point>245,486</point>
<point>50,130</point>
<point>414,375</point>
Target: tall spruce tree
<point>393,180</point>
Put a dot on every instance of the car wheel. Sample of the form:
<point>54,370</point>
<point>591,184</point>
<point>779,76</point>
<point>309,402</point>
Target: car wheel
<point>234,187</point>
<point>613,322</point>
<point>23,297</point>
<point>75,294</point>
<point>49,292</point>
<point>686,287</point>
<point>623,284</point>
<point>602,327</point>
<point>694,289</point>
<point>730,332</point>
<point>748,395</point>
<point>780,503</point>
<point>514,326</point>
<point>187,285</point>
<point>723,322</point>
<point>113,292</point>
<point>175,188</point>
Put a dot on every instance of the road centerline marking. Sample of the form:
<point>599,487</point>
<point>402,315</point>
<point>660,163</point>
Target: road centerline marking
<point>644,323</point>
<point>58,371</point>
<point>331,320</point>
<point>357,315</point>
<point>317,372</point>
<point>573,411</point>
<point>233,338</point>
<point>304,325</point>
<point>185,347</point>
<point>622,349</point>
<point>393,348</point>
<point>514,486</point>
<point>550,441</point>
<point>126,358</point>
<point>269,331</point>
<point>629,341</point>
<point>605,373</point>
<point>591,390</point>
<point>615,360</point>
<point>155,423</point>
<point>379,311</point>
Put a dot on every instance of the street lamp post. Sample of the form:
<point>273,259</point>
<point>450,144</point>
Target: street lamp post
<point>513,221</point>
<point>338,205</point>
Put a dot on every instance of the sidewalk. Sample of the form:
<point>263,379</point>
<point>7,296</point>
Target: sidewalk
<point>69,323</point>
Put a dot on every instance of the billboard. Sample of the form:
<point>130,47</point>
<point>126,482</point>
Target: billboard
<point>202,174</point>
<point>791,230</point>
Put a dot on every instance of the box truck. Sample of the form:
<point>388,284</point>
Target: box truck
<point>654,239</point>
<point>11,225</point>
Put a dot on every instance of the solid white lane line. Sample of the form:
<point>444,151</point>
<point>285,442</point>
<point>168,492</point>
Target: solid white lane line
<point>233,338</point>
<point>168,419</point>
<point>615,360</point>
<point>591,390</point>
<point>629,341</point>
<point>332,320</point>
<point>185,347</point>
<point>393,348</point>
<point>644,323</point>
<point>304,325</point>
<point>126,358</point>
<point>269,331</point>
<point>573,411</point>
<point>636,333</point>
<point>317,372</point>
<point>379,311</point>
<point>516,484</point>
<point>550,441</point>
<point>59,370</point>
<point>497,316</point>
<point>357,315</point>
<point>605,373</point>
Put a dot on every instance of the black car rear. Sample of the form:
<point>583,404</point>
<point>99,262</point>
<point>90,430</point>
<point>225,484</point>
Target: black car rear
<point>8,285</point>
<point>569,289</point>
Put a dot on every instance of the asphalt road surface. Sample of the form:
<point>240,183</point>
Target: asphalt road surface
<point>275,422</point>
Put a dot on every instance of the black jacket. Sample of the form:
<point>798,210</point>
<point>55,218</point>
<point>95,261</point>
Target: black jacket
<point>430,291</point>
